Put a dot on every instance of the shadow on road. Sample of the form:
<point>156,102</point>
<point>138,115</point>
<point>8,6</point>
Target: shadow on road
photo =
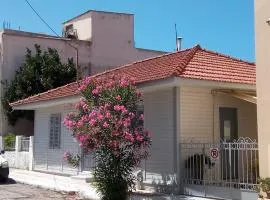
<point>8,182</point>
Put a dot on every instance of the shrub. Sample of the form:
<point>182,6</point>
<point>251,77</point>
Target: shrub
<point>9,142</point>
<point>108,124</point>
<point>264,185</point>
<point>72,159</point>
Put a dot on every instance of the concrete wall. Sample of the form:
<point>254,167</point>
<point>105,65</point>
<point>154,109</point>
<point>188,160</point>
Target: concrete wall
<point>198,121</point>
<point>112,38</point>
<point>46,159</point>
<point>262,41</point>
<point>14,46</point>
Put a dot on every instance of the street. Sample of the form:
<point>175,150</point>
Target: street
<point>12,190</point>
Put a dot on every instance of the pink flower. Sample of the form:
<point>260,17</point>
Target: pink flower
<point>117,107</point>
<point>139,138</point>
<point>141,117</point>
<point>115,133</point>
<point>100,116</point>
<point>129,137</point>
<point>124,82</point>
<point>105,125</point>
<point>126,122</point>
<point>132,115</point>
<point>80,124</point>
<point>118,98</point>
<point>92,122</point>
<point>95,91</point>
<point>108,115</point>
<point>66,155</point>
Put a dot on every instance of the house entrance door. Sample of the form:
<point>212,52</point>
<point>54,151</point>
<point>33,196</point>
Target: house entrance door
<point>228,133</point>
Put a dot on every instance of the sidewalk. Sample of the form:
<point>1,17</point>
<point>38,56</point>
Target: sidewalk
<point>54,182</point>
<point>68,184</point>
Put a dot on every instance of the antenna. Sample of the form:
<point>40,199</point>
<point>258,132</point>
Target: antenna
<point>176,36</point>
<point>177,39</point>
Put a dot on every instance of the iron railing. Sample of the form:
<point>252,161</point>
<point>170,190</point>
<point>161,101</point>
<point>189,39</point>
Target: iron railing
<point>223,164</point>
<point>25,141</point>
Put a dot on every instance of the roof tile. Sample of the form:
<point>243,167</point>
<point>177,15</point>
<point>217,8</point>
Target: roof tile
<point>193,63</point>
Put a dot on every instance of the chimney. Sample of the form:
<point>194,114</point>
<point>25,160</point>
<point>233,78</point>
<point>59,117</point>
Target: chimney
<point>178,43</point>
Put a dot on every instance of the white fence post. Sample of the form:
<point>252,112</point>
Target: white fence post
<point>18,143</point>
<point>17,150</point>
<point>1,143</point>
<point>31,153</point>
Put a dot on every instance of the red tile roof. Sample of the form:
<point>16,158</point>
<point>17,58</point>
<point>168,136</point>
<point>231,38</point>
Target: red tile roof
<point>193,63</point>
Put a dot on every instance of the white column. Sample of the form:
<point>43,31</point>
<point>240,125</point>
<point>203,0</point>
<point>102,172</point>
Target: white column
<point>17,150</point>
<point>1,143</point>
<point>31,153</point>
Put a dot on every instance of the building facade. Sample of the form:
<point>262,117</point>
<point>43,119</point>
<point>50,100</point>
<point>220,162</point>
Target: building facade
<point>104,41</point>
<point>262,32</point>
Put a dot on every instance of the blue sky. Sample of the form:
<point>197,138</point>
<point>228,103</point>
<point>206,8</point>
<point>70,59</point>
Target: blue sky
<point>226,26</point>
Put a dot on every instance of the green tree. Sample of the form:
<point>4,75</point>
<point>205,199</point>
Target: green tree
<point>41,71</point>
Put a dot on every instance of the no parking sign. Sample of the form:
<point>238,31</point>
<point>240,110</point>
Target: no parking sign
<point>214,153</point>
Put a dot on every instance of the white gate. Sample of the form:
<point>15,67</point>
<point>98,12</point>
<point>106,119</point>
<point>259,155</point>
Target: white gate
<point>225,170</point>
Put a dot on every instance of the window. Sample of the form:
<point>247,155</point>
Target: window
<point>55,131</point>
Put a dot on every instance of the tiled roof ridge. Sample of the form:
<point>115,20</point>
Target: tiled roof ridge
<point>101,73</point>
<point>227,56</point>
<point>182,66</point>
<point>143,60</point>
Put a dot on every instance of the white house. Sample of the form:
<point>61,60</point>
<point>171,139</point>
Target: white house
<point>194,96</point>
<point>104,40</point>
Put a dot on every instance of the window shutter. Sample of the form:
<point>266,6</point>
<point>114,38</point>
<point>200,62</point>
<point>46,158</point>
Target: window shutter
<point>55,131</point>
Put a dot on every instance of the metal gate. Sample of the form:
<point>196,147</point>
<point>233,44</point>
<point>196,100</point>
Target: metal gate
<point>225,170</point>
<point>87,162</point>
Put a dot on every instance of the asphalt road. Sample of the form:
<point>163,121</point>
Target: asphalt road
<point>12,190</point>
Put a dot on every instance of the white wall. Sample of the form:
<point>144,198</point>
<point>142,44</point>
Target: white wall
<point>83,26</point>
<point>52,159</point>
<point>196,120</point>
<point>159,119</point>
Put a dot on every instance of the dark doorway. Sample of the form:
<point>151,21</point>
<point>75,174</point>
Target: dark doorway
<point>228,133</point>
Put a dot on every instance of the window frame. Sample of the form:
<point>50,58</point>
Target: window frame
<point>52,143</point>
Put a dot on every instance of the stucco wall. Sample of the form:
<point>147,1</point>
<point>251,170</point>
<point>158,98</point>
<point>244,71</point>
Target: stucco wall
<point>198,121</point>
<point>52,159</point>
<point>112,38</point>
<point>262,32</point>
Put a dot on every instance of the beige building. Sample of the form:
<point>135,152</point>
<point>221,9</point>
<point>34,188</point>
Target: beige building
<point>262,32</point>
<point>104,40</point>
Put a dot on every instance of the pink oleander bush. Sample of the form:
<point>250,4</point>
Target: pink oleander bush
<point>108,124</point>
<point>73,160</point>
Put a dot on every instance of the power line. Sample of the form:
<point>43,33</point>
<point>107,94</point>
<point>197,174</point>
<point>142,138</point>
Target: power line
<point>43,20</point>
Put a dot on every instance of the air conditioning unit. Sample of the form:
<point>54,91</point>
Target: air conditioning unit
<point>70,32</point>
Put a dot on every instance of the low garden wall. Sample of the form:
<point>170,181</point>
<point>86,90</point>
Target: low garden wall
<point>21,155</point>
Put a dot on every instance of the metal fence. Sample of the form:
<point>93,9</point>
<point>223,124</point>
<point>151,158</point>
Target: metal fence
<point>87,162</point>
<point>25,141</point>
<point>222,164</point>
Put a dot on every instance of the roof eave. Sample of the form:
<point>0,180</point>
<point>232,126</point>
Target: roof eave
<point>47,103</point>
